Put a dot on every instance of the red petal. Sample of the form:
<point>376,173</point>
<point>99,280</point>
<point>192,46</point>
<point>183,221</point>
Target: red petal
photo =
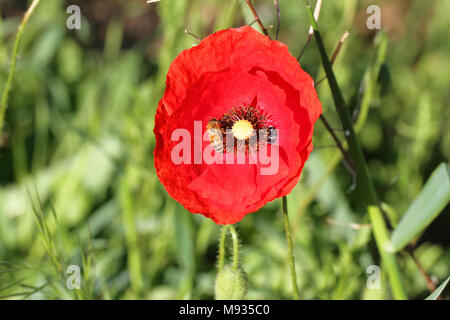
<point>228,69</point>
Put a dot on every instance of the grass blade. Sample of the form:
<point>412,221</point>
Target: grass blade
<point>439,290</point>
<point>434,196</point>
<point>9,82</point>
<point>364,181</point>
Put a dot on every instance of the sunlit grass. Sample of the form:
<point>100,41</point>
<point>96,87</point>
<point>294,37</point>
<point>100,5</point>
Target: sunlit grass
<point>78,187</point>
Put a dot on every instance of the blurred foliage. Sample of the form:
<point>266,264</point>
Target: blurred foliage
<point>77,183</point>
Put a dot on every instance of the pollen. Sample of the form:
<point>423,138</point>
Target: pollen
<point>242,129</point>
<point>246,124</point>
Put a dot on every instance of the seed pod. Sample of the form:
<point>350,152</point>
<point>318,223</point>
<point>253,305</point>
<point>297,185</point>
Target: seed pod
<point>230,284</point>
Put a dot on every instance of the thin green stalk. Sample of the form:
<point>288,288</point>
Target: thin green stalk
<point>131,238</point>
<point>235,238</point>
<point>223,236</point>
<point>255,14</point>
<point>12,69</point>
<point>369,83</point>
<point>290,249</point>
<point>379,226</point>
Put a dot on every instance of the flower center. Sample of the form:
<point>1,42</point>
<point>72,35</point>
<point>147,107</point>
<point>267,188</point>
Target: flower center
<point>247,127</point>
<point>242,129</point>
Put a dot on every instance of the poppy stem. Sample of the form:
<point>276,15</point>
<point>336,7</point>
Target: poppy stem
<point>235,238</point>
<point>290,248</point>
<point>12,69</point>
<point>381,233</point>
<point>223,236</point>
<point>255,14</point>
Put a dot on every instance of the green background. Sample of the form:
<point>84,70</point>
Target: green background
<point>78,185</point>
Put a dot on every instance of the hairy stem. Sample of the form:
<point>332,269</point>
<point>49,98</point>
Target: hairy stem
<point>235,238</point>
<point>223,236</point>
<point>12,69</point>
<point>290,249</point>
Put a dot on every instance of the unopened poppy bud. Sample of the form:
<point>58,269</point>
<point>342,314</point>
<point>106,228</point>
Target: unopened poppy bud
<point>231,284</point>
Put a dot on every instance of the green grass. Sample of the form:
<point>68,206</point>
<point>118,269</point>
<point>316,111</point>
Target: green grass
<point>78,186</point>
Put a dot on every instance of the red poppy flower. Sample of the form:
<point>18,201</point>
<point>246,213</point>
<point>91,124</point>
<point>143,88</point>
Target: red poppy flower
<point>234,86</point>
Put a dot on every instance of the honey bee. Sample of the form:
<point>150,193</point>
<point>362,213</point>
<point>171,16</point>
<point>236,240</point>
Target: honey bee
<point>272,136</point>
<point>268,135</point>
<point>215,134</point>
